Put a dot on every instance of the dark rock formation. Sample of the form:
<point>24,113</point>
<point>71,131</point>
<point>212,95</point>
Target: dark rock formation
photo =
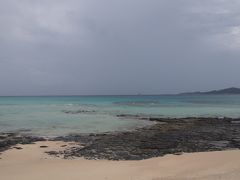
<point>169,136</point>
<point>8,140</point>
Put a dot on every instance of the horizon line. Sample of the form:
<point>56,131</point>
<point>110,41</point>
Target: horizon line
<point>90,95</point>
<point>137,94</point>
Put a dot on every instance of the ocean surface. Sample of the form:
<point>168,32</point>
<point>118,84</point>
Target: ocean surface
<point>62,115</point>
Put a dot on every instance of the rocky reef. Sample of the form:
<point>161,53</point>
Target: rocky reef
<point>166,136</point>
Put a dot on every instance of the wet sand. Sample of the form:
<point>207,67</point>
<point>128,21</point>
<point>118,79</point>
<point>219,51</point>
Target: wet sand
<point>31,162</point>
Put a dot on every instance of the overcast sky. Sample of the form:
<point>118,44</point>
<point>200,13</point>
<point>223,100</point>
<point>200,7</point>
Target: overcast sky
<point>52,47</point>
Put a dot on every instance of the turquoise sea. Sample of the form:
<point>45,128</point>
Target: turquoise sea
<point>61,115</point>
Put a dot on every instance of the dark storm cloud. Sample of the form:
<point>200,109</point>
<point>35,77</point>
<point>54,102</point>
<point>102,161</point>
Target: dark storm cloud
<point>118,47</point>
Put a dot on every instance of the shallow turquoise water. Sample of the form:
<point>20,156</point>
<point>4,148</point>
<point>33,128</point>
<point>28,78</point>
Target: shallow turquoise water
<point>46,115</point>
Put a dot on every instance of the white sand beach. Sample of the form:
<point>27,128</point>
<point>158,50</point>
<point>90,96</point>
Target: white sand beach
<point>31,163</point>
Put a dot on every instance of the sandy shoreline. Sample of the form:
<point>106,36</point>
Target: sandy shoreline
<point>32,163</point>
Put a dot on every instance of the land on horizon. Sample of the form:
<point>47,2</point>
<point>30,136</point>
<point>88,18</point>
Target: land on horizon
<point>225,91</point>
<point>231,90</point>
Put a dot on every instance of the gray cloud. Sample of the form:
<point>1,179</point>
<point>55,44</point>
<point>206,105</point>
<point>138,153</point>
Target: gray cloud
<point>118,47</point>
